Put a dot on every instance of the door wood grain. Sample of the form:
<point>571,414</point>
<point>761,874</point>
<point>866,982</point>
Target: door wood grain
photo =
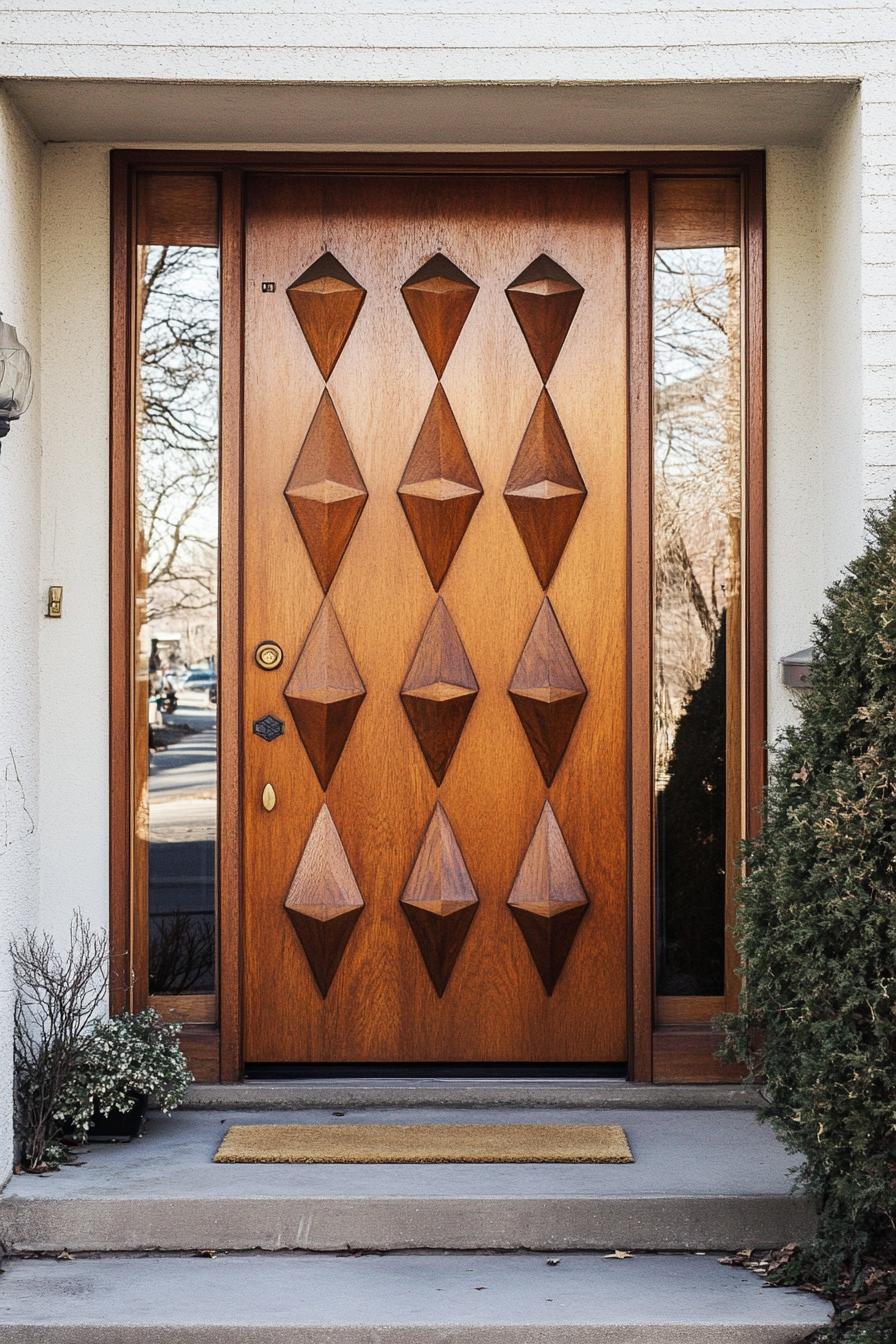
<point>435,398</point>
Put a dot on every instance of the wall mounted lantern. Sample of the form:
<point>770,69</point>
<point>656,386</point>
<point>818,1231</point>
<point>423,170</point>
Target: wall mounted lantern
<point>796,669</point>
<point>16,386</point>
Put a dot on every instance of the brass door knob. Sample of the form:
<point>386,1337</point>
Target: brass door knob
<point>269,655</point>
<point>268,798</point>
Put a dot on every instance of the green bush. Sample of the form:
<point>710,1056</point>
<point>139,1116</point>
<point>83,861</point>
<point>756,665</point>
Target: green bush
<point>132,1054</point>
<point>816,923</point>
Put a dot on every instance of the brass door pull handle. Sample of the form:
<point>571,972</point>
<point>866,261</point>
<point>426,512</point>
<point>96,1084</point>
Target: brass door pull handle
<point>268,798</point>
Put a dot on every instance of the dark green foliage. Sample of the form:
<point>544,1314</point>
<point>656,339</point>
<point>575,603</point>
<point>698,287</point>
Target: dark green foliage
<point>816,926</point>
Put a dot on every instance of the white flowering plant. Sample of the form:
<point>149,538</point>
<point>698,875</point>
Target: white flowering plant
<point>130,1056</point>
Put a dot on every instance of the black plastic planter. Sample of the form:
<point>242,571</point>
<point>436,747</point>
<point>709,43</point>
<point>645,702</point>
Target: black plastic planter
<point>118,1126</point>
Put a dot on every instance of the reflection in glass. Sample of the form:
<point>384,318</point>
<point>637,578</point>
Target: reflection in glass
<point>177,616</point>
<point>697,510</point>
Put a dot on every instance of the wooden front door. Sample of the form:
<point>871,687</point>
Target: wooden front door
<point>434,535</point>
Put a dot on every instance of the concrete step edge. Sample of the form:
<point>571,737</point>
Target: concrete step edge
<point>397,1223</point>
<point>354,1093</point>
<point>434,1299</point>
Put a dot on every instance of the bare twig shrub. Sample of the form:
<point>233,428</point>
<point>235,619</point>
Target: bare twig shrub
<point>58,995</point>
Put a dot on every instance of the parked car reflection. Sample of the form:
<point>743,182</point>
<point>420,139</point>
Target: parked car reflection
<point>182,839</point>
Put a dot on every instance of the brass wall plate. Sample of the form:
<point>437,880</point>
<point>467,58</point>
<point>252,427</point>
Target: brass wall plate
<point>269,655</point>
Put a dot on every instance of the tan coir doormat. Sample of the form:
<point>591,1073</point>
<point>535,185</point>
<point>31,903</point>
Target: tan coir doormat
<point>425,1143</point>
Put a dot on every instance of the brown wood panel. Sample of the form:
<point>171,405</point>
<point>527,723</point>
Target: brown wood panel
<point>696,212</point>
<point>229,681</point>
<point>755,672</point>
<point>177,209</point>
<point>692,162</point>
<point>193,1008</point>
<point>201,1045</point>
<point>382,1004</point>
<point>674,1010</point>
<point>688,1055</point>
<point>121,601</point>
<point>640,695</point>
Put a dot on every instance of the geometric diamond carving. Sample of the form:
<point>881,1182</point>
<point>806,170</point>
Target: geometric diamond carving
<point>324,903</point>
<point>325,693</point>
<point>326,491</point>
<point>547,691</point>
<point>439,298</point>
<point>439,690</point>
<point>548,900</point>
<point>439,900</point>
<point>326,300</point>
<point>440,488</point>
<point>544,299</point>
<point>544,491</point>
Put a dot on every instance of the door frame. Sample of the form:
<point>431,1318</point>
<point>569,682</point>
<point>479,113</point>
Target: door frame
<point>659,1054</point>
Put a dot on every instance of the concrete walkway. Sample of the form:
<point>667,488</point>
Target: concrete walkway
<point>414,1299</point>
<point>701,1180</point>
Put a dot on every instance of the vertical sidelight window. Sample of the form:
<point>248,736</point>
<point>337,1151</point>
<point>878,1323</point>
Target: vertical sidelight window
<point>697,509</point>
<point>176,456</point>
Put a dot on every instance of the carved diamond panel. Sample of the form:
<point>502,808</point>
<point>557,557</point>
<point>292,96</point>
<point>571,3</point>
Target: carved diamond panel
<point>325,693</point>
<point>440,488</point>
<point>548,900</point>
<point>544,299</point>
<point>439,900</point>
<point>324,903</point>
<point>439,298</point>
<point>544,491</point>
<point>326,491</point>
<point>547,692</point>
<point>439,690</point>
<point>326,301</point>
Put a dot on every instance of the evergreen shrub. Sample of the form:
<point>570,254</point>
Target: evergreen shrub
<point>816,924</point>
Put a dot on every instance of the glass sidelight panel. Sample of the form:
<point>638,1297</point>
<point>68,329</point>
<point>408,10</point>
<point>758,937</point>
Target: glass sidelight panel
<point>176,591</point>
<point>697,579</point>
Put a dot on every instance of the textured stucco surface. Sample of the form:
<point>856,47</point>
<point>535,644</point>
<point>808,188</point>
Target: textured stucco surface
<point>74,676</point>
<point>20,467</point>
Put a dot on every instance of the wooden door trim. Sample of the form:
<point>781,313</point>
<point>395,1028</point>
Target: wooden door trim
<point>217,1054</point>
<point>230,716</point>
<point>640,656</point>
<point>121,597</point>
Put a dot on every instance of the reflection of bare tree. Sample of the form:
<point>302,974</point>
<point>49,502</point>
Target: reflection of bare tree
<point>182,953</point>
<point>697,471</point>
<point>177,431</point>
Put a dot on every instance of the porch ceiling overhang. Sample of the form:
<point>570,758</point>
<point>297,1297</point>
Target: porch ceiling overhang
<point>743,114</point>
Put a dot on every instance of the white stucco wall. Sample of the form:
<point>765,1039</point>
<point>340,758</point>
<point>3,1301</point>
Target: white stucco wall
<point>817,488</point>
<point>74,551</point>
<point>20,467</point>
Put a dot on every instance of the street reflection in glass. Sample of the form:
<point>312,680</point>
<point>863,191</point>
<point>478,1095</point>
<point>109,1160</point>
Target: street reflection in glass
<point>697,510</point>
<point>177,615</point>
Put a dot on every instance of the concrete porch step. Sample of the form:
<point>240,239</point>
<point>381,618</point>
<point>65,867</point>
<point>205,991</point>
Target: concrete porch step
<point>701,1180</point>
<point>403,1093</point>
<point>415,1299</point>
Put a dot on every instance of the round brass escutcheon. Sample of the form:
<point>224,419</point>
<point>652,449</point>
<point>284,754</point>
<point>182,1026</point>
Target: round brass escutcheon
<point>269,656</point>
